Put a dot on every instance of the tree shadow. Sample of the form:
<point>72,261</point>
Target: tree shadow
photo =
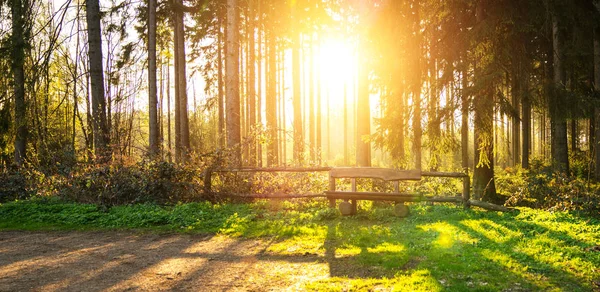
<point>522,248</point>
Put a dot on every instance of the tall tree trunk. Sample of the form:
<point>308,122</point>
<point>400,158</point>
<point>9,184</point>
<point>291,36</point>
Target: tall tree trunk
<point>220,85</point>
<point>251,85</point>
<point>433,124</point>
<point>19,10</point>
<point>101,134</point>
<point>596,119</point>
<point>483,175</point>
<point>558,124</point>
<point>259,74</point>
<point>311,99</point>
<point>416,89</point>
<point>152,95</point>
<point>271,101</point>
<point>516,118</point>
<point>319,108</point>
<point>181,88</point>
<point>464,125</point>
<point>297,97</point>
<point>233,81</point>
<point>170,154</point>
<point>526,130</point>
<point>363,123</point>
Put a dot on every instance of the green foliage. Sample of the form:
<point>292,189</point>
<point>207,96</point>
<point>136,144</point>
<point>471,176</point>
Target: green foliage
<point>543,188</point>
<point>21,183</point>
<point>145,182</point>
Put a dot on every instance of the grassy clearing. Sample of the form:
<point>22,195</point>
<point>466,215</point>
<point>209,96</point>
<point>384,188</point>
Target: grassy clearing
<point>437,248</point>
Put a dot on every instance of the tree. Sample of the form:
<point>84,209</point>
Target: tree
<point>483,175</point>
<point>596,147</point>
<point>99,122</point>
<point>182,130</point>
<point>558,124</point>
<point>152,96</point>
<point>296,95</point>
<point>19,39</point>
<point>232,84</point>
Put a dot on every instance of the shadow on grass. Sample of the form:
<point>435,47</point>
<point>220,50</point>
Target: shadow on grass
<point>467,250</point>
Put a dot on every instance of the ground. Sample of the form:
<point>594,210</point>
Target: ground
<point>294,246</point>
<point>118,261</point>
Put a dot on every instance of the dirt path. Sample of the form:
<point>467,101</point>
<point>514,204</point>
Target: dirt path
<point>117,261</point>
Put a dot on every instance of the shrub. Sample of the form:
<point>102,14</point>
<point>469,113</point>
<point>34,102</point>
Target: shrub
<point>145,182</point>
<point>20,183</point>
<point>542,188</point>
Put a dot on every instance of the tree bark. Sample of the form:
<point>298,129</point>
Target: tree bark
<point>464,126</point>
<point>311,100</point>
<point>596,119</point>
<point>181,88</point>
<point>233,82</point>
<point>483,174</point>
<point>19,9</point>
<point>516,117</point>
<point>526,130</point>
<point>152,95</point>
<point>251,86</point>
<point>99,122</point>
<point>558,124</point>
<point>271,101</point>
<point>296,97</point>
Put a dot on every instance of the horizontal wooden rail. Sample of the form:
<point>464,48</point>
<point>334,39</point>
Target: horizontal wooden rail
<point>276,169</point>
<point>387,174</point>
<point>276,196</point>
<point>443,174</point>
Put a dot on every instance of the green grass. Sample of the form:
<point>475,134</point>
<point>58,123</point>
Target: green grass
<point>437,248</point>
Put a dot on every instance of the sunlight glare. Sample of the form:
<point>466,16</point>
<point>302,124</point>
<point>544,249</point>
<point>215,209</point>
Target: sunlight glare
<point>337,65</point>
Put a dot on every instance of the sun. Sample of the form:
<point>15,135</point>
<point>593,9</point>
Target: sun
<point>337,65</point>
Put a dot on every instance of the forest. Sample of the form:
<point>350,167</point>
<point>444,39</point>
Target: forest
<point>194,144</point>
<point>484,87</point>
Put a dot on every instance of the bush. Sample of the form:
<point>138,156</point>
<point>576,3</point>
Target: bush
<point>18,184</point>
<point>542,188</point>
<point>145,182</point>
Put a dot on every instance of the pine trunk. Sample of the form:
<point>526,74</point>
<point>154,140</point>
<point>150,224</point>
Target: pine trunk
<point>597,108</point>
<point>296,100</point>
<point>558,124</point>
<point>464,126</point>
<point>152,95</point>
<point>483,174</point>
<point>233,82</point>
<point>18,9</point>
<point>100,127</point>
<point>271,102</point>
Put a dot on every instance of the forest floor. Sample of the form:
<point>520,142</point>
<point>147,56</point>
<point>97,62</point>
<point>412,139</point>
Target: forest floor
<point>121,261</point>
<point>58,246</point>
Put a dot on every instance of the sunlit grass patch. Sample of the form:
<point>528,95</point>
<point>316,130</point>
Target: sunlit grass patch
<point>492,230</point>
<point>300,245</point>
<point>418,280</point>
<point>348,250</point>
